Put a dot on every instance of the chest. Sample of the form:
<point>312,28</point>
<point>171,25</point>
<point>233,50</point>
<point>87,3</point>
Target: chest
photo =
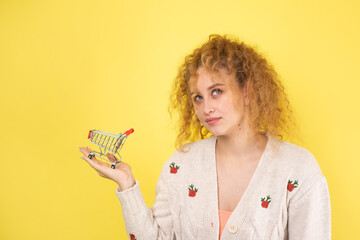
<point>225,188</point>
<point>232,184</point>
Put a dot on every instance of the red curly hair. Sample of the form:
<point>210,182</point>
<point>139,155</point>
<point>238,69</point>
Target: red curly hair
<point>269,107</point>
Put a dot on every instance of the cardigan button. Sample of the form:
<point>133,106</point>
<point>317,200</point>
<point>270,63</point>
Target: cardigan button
<point>233,228</point>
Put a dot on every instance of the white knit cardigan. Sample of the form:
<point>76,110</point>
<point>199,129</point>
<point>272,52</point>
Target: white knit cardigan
<point>287,198</point>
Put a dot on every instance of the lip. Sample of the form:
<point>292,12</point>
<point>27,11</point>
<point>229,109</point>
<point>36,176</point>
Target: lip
<point>211,121</point>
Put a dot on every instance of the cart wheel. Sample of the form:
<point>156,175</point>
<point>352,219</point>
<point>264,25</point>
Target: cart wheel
<point>113,166</point>
<point>91,155</point>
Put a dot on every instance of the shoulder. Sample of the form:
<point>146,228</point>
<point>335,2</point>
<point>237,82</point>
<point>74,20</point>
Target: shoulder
<point>194,149</point>
<point>300,167</point>
<point>298,159</point>
<point>191,158</point>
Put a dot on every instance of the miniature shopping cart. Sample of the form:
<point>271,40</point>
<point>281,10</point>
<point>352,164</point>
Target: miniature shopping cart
<point>108,142</point>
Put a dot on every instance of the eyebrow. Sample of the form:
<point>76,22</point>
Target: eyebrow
<point>209,88</point>
<point>215,85</point>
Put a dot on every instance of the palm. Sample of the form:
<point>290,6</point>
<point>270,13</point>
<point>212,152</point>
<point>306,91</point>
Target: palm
<point>121,173</point>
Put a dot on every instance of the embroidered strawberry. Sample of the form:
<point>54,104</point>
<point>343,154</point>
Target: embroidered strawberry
<point>132,237</point>
<point>192,191</point>
<point>173,168</point>
<point>265,203</point>
<point>292,185</point>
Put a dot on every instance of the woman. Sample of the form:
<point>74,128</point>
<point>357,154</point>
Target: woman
<point>232,176</point>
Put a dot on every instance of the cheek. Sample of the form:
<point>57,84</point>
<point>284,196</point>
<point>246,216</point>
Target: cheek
<point>231,107</point>
<point>236,96</point>
<point>230,103</point>
<point>198,112</point>
<point>236,102</point>
<point>195,108</point>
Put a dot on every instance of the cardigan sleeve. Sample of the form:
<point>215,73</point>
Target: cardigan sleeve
<point>310,214</point>
<point>142,222</point>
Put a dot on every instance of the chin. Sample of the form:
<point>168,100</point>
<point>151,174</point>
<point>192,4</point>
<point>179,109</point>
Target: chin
<point>221,131</point>
<point>218,132</point>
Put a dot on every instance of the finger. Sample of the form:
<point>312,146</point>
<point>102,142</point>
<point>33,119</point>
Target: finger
<point>84,149</point>
<point>90,162</point>
<point>86,152</point>
<point>99,166</point>
<point>104,169</point>
<point>101,163</point>
<point>96,168</point>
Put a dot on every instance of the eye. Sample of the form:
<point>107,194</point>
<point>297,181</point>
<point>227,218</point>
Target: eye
<point>216,91</point>
<point>197,98</point>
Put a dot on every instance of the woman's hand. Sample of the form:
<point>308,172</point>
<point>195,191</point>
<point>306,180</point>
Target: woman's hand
<point>122,174</point>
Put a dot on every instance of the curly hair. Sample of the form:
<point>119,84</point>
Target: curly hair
<point>269,107</point>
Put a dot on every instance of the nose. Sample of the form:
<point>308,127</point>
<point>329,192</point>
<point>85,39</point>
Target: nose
<point>208,106</point>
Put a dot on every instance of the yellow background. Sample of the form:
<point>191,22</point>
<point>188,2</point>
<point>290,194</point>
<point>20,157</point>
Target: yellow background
<point>70,66</point>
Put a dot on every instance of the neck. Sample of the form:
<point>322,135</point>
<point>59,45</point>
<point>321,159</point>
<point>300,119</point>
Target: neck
<point>241,148</point>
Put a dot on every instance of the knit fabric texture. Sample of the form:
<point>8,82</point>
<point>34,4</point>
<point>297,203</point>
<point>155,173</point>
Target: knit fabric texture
<point>287,198</point>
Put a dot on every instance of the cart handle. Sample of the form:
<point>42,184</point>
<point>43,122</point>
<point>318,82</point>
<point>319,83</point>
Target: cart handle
<point>128,132</point>
<point>89,134</point>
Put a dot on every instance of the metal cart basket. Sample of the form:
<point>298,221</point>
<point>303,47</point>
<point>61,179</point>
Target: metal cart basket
<point>108,142</point>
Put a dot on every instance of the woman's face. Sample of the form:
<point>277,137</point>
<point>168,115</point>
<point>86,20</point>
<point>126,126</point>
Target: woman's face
<point>218,102</point>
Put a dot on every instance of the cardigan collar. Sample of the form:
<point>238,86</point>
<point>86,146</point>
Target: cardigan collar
<point>271,148</point>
